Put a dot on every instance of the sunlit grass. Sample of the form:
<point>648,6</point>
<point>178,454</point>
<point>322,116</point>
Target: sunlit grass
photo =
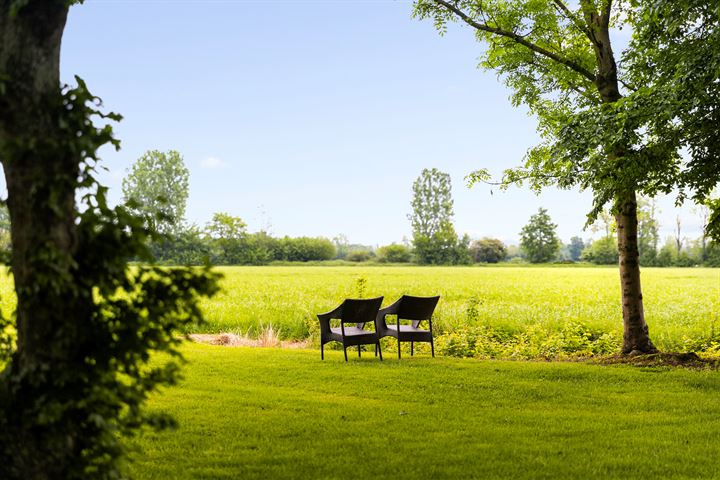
<point>680,304</point>
<point>274,413</point>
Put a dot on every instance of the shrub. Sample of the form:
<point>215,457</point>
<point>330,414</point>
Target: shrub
<point>358,256</point>
<point>488,250</point>
<point>394,253</point>
<point>602,252</point>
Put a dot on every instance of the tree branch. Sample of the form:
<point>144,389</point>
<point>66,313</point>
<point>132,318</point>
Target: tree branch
<point>572,17</point>
<point>517,39</point>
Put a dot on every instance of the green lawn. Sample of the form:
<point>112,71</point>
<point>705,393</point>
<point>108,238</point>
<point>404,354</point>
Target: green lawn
<point>270,413</point>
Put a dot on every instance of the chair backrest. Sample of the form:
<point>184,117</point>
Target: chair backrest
<point>417,308</point>
<point>356,310</point>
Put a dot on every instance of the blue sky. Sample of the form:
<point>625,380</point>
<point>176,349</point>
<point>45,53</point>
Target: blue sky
<point>312,117</point>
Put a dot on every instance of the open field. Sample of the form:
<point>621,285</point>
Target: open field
<point>681,304</point>
<point>494,311</point>
<point>272,413</point>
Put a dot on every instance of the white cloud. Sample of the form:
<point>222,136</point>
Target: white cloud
<point>211,162</point>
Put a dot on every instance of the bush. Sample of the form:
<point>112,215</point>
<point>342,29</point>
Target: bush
<point>488,250</point>
<point>394,253</point>
<point>602,252</point>
<point>303,249</point>
<point>358,256</point>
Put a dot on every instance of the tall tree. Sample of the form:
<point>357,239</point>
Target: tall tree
<point>434,236</point>
<point>648,230</point>
<point>76,375</point>
<point>157,187</point>
<point>575,248</point>
<point>557,58</point>
<point>538,239</point>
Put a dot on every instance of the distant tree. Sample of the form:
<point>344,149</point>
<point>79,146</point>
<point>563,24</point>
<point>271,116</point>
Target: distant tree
<point>678,235</point>
<point>648,230</point>
<point>341,245</point>
<point>602,251</point>
<point>394,253</point>
<point>157,188</point>
<point>575,248</point>
<point>434,236</point>
<point>488,250</point>
<point>538,239</point>
<point>228,236</point>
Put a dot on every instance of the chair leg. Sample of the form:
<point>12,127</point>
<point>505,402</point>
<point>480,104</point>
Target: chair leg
<point>378,349</point>
<point>412,348</point>
<point>322,351</point>
<point>398,349</point>
<point>359,347</point>
<point>432,347</point>
<point>345,352</point>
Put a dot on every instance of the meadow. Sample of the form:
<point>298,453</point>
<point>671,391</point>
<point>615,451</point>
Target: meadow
<point>282,413</point>
<point>501,311</point>
<point>494,311</point>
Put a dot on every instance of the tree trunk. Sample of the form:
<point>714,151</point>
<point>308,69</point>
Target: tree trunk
<point>635,336</point>
<point>41,174</point>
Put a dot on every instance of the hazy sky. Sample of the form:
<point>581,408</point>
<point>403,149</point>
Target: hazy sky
<point>312,117</point>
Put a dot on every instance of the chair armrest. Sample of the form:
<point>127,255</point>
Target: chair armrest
<point>380,325</point>
<point>325,318</point>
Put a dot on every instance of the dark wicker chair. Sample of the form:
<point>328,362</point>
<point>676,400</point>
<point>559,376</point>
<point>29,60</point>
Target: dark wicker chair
<point>351,311</point>
<point>415,309</point>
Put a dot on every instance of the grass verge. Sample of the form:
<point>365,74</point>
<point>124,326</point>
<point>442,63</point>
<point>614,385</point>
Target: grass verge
<point>269,413</point>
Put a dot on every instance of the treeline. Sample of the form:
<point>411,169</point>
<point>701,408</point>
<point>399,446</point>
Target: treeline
<point>157,188</point>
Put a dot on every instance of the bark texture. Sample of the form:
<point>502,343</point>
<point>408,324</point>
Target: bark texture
<point>635,333</point>
<point>41,177</point>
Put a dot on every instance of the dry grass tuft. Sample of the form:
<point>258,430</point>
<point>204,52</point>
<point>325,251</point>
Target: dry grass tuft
<point>269,337</point>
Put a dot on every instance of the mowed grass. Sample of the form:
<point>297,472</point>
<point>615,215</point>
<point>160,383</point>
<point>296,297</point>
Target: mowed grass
<point>271,413</point>
<point>681,304</point>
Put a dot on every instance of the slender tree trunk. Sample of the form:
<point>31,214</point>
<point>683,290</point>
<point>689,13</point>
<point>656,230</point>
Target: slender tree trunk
<point>636,338</point>
<point>41,172</point>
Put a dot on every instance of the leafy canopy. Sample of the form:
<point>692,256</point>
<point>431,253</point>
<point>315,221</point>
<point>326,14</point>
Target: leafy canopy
<point>547,53</point>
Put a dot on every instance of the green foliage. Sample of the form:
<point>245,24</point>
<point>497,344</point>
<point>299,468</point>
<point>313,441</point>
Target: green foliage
<point>358,256</point>
<point>538,239</point>
<point>603,251</point>
<point>675,55</point>
<point>488,250</point>
<point>157,188</point>
<point>228,239</point>
<point>534,342</point>
<point>303,249</point>
<point>394,253</point>
<point>86,391</point>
